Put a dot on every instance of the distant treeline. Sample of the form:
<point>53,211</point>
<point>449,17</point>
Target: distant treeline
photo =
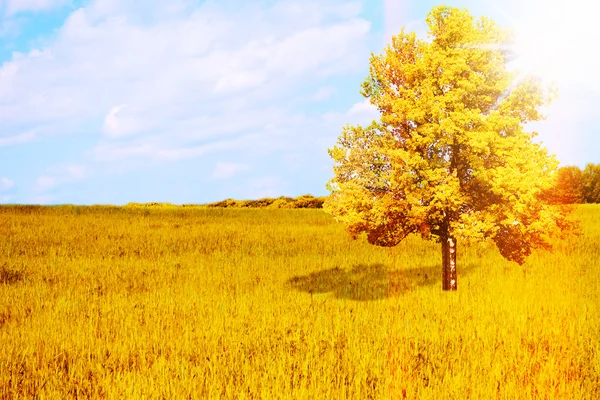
<point>576,186</point>
<point>305,201</point>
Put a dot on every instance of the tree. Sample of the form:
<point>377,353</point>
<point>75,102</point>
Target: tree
<point>449,158</point>
<point>591,183</point>
<point>568,187</point>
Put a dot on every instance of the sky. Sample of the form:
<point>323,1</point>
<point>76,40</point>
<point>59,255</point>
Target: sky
<point>107,102</point>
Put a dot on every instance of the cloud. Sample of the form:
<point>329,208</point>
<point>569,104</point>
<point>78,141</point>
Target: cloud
<point>113,125</point>
<point>395,18</point>
<point>267,186</point>
<point>59,175</point>
<point>16,6</point>
<point>5,184</point>
<point>44,183</point>
<point>175,80</point>
<point>155,148</point>
<point>17,139</point>
<point>237,81</point>
<point>362,112</point>
<point>393,11</point>
<point>75,171</point>
<point>224,170</point>
<point>10,28</point>
<point>324,92</point>
<point>182,80</point>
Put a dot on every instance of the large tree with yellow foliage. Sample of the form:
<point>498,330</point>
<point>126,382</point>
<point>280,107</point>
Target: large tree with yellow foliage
<point>449,159</point>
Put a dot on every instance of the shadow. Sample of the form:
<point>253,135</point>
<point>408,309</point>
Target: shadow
<point>10,276</point>
<point>371,282</point>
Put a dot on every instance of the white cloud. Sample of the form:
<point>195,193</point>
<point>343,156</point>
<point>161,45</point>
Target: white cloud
<point>178,81</point>
<point>555,40</point>
<point>15,6</point>
<point>113,124</point>
<point>59,175</point>
<point>184,73</point>
<point>75,171</point>
<point>158,150</point>
<point>238,81</point>
<point>17,139</point>
<point>393,11</point>
<point>268,186</point>
<point>324,92</point>
<point>10,28</point>
<point>6,184</point>
<point>225,170</point>
<point>362,112</point>
<point>44,183</point>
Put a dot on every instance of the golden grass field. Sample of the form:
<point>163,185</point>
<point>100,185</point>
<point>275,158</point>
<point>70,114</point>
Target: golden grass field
<point>117,302</point>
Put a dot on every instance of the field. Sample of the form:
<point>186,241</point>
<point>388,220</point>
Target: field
<point>117,302</point>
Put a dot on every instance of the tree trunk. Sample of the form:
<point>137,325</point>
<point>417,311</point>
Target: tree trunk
<point>449,263</point>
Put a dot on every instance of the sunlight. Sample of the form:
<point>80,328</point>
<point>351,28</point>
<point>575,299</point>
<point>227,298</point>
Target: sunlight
<point>557,40</point>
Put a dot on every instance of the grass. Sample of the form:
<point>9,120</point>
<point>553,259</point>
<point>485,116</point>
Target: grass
<point>110,302</point>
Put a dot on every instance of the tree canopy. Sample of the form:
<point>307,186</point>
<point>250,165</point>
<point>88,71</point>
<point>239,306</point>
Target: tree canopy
<point>591,183</point>
<point>449,158</point>
<point>568,187</point>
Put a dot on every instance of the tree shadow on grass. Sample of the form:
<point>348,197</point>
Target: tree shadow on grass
<point>370,282</point>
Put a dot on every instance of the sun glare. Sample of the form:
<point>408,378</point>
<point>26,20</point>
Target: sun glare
<point>556,40</point>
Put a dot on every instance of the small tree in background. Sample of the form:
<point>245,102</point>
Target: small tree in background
<point>449,158</point>
<point>568,187</point>
<point>591,183</point>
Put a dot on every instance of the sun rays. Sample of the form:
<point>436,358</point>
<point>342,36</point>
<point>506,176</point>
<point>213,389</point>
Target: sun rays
<point>556,42</point>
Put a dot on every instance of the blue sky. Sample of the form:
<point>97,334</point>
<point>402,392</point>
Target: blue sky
<point>106,102</point>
